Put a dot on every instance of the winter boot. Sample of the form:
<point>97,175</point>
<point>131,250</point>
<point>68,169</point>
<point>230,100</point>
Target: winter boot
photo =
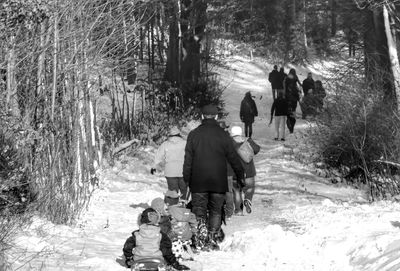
<point>199,239</point>
<point>212,243</point>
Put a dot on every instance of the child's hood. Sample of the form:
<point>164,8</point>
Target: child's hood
<point>147,230</point>
<point>180,213</point>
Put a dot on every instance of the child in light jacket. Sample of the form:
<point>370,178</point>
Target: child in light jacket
<point>150,242</point>
<point>250,173</point>
<point>172,154</point>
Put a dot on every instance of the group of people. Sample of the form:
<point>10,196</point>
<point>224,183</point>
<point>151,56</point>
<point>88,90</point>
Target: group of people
<point>210,177</point>
<point>286,94</point>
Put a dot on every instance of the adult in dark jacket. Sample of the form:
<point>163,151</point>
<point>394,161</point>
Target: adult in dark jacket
<point>207,151</point>
<point>281,78</point>
<point>279,109</point>
<point>249,171</point>
<point>292,94</point>
<point>248,110</point>
<point>308,84</point>
<point>273,78</point>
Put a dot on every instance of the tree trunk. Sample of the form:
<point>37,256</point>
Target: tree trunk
<point>333,17</point>
<point>55,48</point>
<point>11,105</point>
<point>394,60</point>
<point>377,62</point>
<point>172,69</point>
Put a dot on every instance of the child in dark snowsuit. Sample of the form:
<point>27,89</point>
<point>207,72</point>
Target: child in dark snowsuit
<point>150,242</point>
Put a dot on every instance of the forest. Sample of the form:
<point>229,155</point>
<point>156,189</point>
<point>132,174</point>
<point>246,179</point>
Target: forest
<point>82,80</point>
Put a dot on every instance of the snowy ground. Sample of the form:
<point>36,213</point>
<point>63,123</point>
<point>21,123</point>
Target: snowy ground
<point>300,221</point>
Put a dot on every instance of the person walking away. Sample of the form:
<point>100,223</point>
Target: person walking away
<point>248,111</point>
<point>150,242</point>
<point>249,171</point>
<point>281,79</point>
<point>308,84</point>
<point>273,78</point>
<point>172,153</point>
<point>229,205</point>
<point>292,93</point>
<point>207,151</point>
<point>280,110</point>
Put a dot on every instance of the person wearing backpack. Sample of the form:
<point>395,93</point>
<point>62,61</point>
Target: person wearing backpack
<point>248,110</point>
<point>246,149</point>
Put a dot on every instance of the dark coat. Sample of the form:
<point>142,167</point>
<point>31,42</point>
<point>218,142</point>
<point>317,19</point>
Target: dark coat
<point>307,85</point>
<point>207,151</point>
<point>249,168</point>
<point>291,89</point>
<point>280,107</point>
<point>248,109</point>
<point>273,78</point>
<point>281,78</point>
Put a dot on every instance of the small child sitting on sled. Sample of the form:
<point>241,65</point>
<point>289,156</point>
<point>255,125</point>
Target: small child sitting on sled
<point>149,242</point>
<point>183,224</point>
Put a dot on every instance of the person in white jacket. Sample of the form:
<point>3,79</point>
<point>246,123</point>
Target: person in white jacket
<point>172,154</point>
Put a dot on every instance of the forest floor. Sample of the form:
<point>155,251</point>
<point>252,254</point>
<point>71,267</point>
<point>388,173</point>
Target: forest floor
<point>300,220</point>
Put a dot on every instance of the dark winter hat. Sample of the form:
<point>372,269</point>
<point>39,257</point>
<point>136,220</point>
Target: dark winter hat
<point>171,197</point>
<point>209,110</point>
<point>149,216</point>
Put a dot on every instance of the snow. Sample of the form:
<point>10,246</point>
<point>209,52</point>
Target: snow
<point>300,220</point>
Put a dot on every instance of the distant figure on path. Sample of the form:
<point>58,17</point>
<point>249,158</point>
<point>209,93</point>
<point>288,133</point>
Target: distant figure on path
<point>273,78</point>
<point>280,110</point>
<point>293,96</point>
<point>207,151</point>
<point>248,110</point>
<point>308,84</point>
<point>250,173</point>
<point>172,153</point>
<point>281,79</point>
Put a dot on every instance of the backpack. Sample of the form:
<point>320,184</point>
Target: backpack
<point>246,152</point>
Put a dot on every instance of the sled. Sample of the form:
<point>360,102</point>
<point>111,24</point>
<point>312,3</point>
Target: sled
<point>149,264</point>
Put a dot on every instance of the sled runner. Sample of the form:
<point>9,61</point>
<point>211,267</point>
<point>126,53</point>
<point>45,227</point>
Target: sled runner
<point>151,264</point>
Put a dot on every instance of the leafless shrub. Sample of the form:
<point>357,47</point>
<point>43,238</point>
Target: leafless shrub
<point>358,133</point>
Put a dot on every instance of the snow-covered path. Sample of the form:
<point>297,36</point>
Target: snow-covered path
<point>300,221</point>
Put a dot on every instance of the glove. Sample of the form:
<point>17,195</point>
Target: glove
<point>241,182</point>
<point>129,262</point>
<point>152,171</point>
<point>178,266</point>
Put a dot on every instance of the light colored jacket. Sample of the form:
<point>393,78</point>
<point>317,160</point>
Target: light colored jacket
<point>183,222</point>
<point>148,240</point>
<point>172,153</point>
